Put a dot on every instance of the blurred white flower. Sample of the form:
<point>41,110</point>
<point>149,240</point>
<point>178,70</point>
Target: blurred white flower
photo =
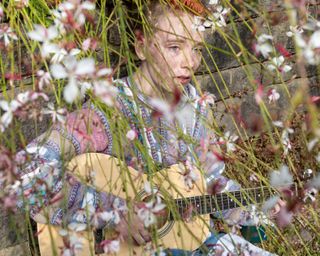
<point>284,217</point>
<point>198,24</point>
<point>148,189</point>
<point>159,251</point>
<point>310,195</point>
<point>44,79</point>
<point>72,13</point>
<point>105,91</point>
<point>76,242</point>
<point>7,34</point>
<point>20,100</point>
<point>263,45</point>
<point>113,215</point>
<point>294,31</point>
<point>77,227</point>
<point>312,143</point>
<point>67,252</point>
<point>281,178</point>
<point>258,96</point>
<point>277,64</point>
<point>212,2</point>
<point>270,203</point>
<point>273,95</point>
<point>217,18</point>
<point>312,25</point>
<point>73,70</point>
<point>86,44</point>
<point>315,182</point>
<point>208,98</point>
<point>147,210</point>
<point>131,135</point>
<point>56,114</point>
<point>9,108</point>
<point>59,54</point>
<point>219,14</point>
<point>285,140</point>
<point>185,115</point>
<point>162,107</point>
<point>63,232</point>
<point>310,47</point>
<point>189,174</point>
<point>278,124</point>
<point>110,246</point>
<point>43,34</point>
<point>228,139</point>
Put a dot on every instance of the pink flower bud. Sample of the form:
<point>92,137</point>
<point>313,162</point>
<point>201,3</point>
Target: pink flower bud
<point>131,135</point>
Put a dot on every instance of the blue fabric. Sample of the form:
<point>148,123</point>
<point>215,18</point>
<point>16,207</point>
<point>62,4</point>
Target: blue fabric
<point>208,245</point>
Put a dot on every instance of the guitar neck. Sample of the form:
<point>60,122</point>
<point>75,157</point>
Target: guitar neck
<point>207,204</point>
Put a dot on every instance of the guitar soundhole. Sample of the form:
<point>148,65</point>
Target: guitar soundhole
<point>161,216</point>
<point>163,221</point>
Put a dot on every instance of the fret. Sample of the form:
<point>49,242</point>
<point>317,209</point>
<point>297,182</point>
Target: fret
<point>238,198</point>
<point>241,198</point>
<point>232,201</point>
<point>255,195</point>
<point>224,201</point>
<point>200,203</point>
<point>193,204</point>
<point>218,205</point>
<point>228,200</point>
<point>206,199</point>
<point>206,204</point>
<point>180,206</point>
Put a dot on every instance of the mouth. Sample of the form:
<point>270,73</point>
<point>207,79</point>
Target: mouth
<point>184,79</point>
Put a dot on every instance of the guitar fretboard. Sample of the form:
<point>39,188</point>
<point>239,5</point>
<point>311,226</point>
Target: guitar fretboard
<point>207,204</point>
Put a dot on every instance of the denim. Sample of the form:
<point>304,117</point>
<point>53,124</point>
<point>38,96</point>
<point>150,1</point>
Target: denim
<point>208,245</point>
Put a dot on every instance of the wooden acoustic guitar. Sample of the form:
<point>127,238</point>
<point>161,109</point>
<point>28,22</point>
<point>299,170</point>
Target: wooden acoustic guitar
<point>114,177</point>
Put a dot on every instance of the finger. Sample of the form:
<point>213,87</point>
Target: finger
<point>275,209</point>
<point>145,235</point>
<point>282,203</point>
<point>138,239</point>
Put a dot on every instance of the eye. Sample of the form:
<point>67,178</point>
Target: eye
<point>198,50</point>
<point>174,48</point>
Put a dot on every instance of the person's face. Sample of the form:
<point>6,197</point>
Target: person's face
<point>173,52</point>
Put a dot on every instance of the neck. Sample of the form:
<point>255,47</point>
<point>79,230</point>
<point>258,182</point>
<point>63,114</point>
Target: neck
<point>147,86</point>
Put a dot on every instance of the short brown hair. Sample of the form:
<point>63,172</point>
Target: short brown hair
<point>152,9</point>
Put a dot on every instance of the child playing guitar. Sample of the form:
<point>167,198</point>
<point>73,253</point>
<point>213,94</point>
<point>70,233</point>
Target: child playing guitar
<point>169,49</point>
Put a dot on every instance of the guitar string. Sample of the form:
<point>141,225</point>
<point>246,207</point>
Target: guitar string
<point>202,205</point>
<point>224,196</point>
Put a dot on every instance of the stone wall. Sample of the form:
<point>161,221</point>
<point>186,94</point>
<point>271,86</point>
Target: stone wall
<point>227,78</point>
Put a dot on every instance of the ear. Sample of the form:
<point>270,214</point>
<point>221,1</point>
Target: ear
<point>139,45</point>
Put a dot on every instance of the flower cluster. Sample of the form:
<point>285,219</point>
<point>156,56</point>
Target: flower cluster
<point>147,211</point>
<point>309,43</point>
<point>6,33</point>
<point>82,75</point>
<point>19,107</point>
<point>214,20</point>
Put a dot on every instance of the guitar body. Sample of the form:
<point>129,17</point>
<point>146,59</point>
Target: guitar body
<point>114,177</point>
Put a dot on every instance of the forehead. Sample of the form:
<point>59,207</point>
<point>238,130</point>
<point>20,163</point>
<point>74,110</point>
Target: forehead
<point>177,25</point>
